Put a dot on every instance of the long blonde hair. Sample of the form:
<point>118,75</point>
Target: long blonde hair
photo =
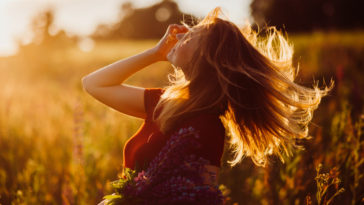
<point>249,82</point>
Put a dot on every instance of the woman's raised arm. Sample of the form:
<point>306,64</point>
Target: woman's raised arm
<point>119,71</point>
<point>105,84</point>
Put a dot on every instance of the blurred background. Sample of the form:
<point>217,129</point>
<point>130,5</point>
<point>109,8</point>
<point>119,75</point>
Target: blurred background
<point>58,145</point>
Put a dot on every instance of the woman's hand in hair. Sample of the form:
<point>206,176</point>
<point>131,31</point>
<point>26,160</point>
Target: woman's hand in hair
<point>168,40</point>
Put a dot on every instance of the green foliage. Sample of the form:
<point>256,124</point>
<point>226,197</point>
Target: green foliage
<point>324,181</point>
<point>117,185</point>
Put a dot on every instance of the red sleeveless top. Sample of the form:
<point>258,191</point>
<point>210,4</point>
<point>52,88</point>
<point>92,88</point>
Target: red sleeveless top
<point>146,143</point>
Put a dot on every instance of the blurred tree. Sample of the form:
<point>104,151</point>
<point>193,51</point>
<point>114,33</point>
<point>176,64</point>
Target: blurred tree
<point>297,15</point>
<point>41,24</point>
<point>150,22</point>
<point>44,32</point>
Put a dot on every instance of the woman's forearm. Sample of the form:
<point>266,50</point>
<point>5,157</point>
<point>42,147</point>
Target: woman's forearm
<point>119,71</point>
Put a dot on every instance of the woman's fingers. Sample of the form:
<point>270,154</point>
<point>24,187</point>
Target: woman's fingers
<point>175,28</point>
<point>169,39</point>
<point>183,28</point>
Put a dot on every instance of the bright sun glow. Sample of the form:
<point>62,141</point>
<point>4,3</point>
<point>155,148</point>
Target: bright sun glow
<point>81,17</point>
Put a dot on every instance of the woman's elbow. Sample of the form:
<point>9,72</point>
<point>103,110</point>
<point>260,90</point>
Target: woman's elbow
<point>86,84</point>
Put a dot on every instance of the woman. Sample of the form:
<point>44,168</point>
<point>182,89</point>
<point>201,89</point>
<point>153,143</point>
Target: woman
<point>226,82</point>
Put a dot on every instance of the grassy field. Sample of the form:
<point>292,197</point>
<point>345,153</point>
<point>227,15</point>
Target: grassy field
<point>60,146</point>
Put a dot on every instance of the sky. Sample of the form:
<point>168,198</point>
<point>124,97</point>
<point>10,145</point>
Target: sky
<point>81,17</point>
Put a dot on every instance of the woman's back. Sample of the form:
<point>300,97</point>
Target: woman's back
<point>146,143</point>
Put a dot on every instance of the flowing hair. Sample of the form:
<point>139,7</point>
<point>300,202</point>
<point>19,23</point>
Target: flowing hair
<point>249,82</point>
